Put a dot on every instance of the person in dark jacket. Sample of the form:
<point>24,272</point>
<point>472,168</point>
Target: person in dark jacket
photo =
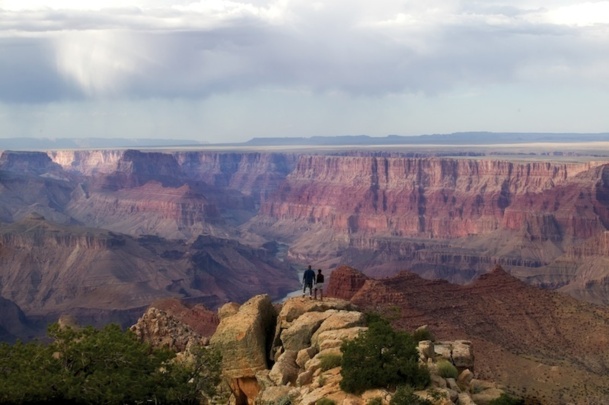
<point>307,280</point>
<point>319,285</point>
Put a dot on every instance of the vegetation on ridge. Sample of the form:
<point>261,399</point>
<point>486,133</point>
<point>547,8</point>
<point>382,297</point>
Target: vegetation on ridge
<point>381,357</point>
<point>102,366</point>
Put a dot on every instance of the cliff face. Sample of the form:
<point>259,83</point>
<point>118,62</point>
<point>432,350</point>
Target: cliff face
<point>444,218</point>
<point>450,218</point>
<point>427,198</point>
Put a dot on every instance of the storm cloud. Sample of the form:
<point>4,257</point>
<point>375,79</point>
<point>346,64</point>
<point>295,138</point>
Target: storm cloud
<point>195,50</point>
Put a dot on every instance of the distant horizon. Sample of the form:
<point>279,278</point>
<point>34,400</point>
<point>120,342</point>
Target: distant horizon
<point>455,138</point>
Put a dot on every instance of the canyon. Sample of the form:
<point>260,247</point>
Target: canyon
<point>102,233</point>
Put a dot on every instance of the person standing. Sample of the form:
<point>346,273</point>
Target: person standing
<point>307,280</point>
<point>319,285</point>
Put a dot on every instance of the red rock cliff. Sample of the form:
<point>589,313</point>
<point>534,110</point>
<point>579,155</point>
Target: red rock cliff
<point>416,197</point>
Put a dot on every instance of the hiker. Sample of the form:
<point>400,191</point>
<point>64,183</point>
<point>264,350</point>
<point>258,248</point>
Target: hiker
<point>307,280</point>
<point>319,285</point>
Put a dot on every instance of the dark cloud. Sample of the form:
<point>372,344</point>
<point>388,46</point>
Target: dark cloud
<point>130,53</point>
<point>28,74</point>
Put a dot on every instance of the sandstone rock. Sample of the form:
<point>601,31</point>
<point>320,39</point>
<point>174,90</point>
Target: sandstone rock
<point>437,381</point>
<point>452,384</point>
<point>228,309</point>
<point>426,350</point>
<point>243,339</point>
<point>160,329</point>
<point>463,354</point>
<point>273,396</point>
<point>304,378</point>
<point>465,399</point>
<point>305,355</point>
<point>339,320</point>
<point>443,349</point>
<point>298,335</point>
<point>315,362</point>
<point>341,334</point>
<point>293,308</point>
<point>330,344</point>
<point>465,378</point>
<point>285,370</point>
<point>198,318</point>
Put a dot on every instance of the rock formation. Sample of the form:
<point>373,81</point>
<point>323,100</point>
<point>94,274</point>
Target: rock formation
<point>243,339</point>
<point>537,342</point>
<point>305,333</point>
<point>138,218</point>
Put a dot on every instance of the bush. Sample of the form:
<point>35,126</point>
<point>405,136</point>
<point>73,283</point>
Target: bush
<point>330,361</point>
<point>375,401</point>
<point>447,370</point>
<point>381,358</point>
<point>101,366</point>
<point>405,396</point>
<point>325,401</point>
<point>506,399</point>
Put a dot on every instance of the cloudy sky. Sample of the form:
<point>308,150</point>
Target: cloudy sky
<point>218,70</point>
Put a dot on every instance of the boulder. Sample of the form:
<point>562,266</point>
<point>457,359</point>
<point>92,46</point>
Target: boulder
<point>298,335</point>
<point>426,350</point>
<point>305,355</point>
<point>339,320</point>
<point>463,354</point>
<point>465,378</point>
<point>243,339</point>
<point>340,334</point>
<point>293,308</point>
<point>228,309</point>
<point>274,396</point>
<point>285,370</point>
<point>465,399</point>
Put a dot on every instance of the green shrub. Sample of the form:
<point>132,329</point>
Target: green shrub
<point>325,401</point>
<point>405,396</point>
<point>447,370</point>
<point>381,358</point>
<point>330,361</point>
<point>506,399</point>
<point>102,366</point>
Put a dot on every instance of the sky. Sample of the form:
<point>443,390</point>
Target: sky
<point>227,71</point>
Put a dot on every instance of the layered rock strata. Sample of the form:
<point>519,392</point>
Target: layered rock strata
<point>525,338</point>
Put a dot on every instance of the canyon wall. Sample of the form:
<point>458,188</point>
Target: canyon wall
<point>430,198</point>
<point>452,218</point>
<point>442,217</point>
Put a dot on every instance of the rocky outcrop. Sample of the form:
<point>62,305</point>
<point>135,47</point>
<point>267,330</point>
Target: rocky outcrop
<point>244,339</point>
<point>163,330</point>
<point>345,282</point>
<point>170,324</point>
<point>307,334</point>
<point>514,328</point>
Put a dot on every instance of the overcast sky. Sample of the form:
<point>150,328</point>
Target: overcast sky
<point>218,71</point>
